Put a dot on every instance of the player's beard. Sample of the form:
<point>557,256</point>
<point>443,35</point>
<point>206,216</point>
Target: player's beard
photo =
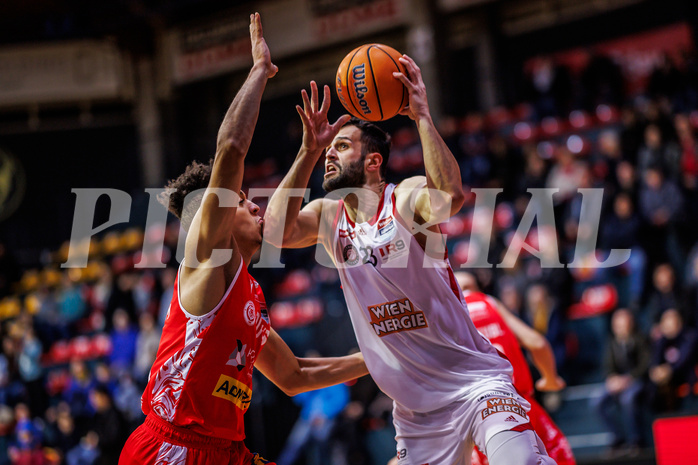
<point>352,175</point>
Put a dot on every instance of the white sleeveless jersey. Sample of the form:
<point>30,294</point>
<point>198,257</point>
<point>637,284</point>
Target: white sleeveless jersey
<point>408,313</point>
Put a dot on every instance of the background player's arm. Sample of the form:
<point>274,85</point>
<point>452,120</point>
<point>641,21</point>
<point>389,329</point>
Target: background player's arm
<point>300,228</point>
<point>442,170</point>
<point>537,345</point>
<point>212,225</point>
<point>294,375</point>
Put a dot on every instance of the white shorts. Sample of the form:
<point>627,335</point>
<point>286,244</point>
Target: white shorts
<point>446,436</point>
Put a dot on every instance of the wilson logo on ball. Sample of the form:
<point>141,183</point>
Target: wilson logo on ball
<point>360,89</point>
<point>365,83</point>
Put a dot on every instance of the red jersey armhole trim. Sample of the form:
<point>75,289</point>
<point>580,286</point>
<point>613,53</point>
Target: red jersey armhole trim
<point>402,221</point>
<point>346,214</point>
<point>340,208</point>
<point>396,213</point>
<point>375,217</point>
<point>454,284</point>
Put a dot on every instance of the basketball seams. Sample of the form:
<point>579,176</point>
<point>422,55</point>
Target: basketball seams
<point>404,89</point>
<point>364,93</point>
<point>358,113</point>
<point>373,76</point>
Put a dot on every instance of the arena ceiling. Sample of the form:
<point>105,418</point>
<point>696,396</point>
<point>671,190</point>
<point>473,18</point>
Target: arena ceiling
<point>131,22</point>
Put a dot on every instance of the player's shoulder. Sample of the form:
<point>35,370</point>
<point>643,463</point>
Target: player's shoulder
<point>407,190</point>
<point>414,182</point>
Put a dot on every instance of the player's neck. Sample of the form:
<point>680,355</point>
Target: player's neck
<point>247,252</point>
<point>363,205</point>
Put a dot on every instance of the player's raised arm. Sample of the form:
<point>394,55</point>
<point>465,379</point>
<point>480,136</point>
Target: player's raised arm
<point>442,170</point>
<point>284,214</point>
<point>211,226</point>
<point>537,345</point>
<point>294,375</point>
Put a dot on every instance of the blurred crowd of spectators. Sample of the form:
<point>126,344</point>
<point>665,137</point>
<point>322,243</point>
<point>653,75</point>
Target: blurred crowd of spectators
<point>76,352</point>
<point>77,345</point>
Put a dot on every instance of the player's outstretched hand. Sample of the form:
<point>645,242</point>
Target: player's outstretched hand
<point>550,384</point>
<point>417,106</point>
<point>317,130</point>
<point>260,50</point>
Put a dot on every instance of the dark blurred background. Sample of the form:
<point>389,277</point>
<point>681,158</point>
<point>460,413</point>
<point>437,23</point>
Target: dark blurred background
<point>124,94</point>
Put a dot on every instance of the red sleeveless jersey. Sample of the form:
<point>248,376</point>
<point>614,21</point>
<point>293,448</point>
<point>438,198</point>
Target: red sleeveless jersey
<point>487,320</point>
<point>202,375</point>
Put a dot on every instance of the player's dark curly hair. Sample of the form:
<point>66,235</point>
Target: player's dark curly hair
<point>196,176</point>
<point>373,139</point>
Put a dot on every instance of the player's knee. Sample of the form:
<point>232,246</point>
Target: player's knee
<point>517,448</point>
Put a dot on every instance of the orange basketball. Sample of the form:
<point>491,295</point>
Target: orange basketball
<point>365,83</point>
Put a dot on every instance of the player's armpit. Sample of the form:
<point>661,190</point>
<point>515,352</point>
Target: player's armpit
<point>415,200</point>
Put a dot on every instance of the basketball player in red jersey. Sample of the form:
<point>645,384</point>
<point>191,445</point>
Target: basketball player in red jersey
<point>217,327</point>
<point>508,333</point>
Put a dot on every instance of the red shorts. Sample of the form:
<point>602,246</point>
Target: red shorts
<point>158,441</point>
<point>555,442</point>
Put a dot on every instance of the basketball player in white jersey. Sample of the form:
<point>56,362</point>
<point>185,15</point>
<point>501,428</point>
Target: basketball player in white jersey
<point>450,387</point>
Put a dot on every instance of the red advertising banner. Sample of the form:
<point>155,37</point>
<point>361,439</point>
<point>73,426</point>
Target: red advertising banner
<point>221,44</point>
<point>356,16</point>
<point>213,48</point>
<point>676,440</point>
